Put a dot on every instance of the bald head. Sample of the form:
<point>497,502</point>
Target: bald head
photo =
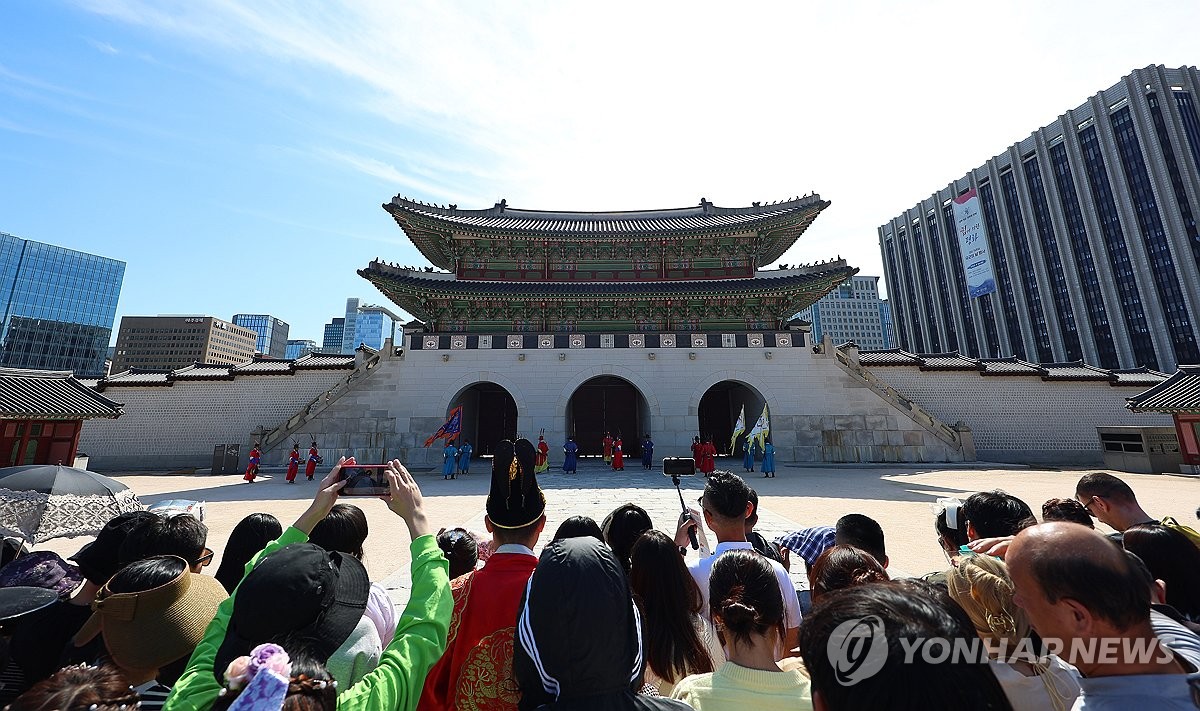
<point>1066,561</point>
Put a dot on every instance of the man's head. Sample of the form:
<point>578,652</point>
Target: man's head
<point>726,503</point>
<point>862,532</point>
<point>101,558</point>
<point>1066,510</point>
<point>1109,499</point>
<point>851,644</point>
<point>1075,583</point>
<point>752,518</point>
<point>515,505</point>
<point>179,535</point>
<point>991,514</point>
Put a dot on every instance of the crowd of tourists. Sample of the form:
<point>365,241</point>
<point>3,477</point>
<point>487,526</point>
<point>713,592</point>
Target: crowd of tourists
<point>618,614</point>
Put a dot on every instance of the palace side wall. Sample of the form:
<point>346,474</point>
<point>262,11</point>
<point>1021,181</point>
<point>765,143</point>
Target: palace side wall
<point>177,426</point>
<point>1021,418</point>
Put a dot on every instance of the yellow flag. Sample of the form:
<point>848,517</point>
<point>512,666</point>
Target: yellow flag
<point>739,428</point>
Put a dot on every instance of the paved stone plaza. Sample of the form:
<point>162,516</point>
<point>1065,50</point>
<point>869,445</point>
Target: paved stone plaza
<point>899,498</point>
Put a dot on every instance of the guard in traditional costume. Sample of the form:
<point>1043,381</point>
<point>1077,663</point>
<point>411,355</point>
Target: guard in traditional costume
<point>293,463</point>
<point>647,453</point>
<point>449,460</point>
<point>542,458</point>
<point>748,457</point>
<point>570,456</point>
<point>464,457</point>
<point>252,467</point>
<point>314,458</point>
<point>698,454</point>
<point>708,457</point>
<point>618,456</point>
<point>476,672</point>
<point>608,448</point>
<point>769,460</point>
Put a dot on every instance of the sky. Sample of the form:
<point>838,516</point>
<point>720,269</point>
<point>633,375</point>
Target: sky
<point>236,155</point>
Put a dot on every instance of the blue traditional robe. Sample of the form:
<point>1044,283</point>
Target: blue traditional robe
<point>448,459</point>
<point>464,458</point>
<point>647,452</point>
<point>748,460</point>
<point>570,455</point>
<point>769,459</point>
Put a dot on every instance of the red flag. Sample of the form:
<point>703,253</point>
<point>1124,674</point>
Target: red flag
<point>450,428</point>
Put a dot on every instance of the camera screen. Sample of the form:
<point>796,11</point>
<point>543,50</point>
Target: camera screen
<point>364,481</point>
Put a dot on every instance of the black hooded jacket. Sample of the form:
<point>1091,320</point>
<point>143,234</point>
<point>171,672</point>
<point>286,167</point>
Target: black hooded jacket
<point>579,640</point>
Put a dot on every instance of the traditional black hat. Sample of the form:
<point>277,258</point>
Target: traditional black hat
<point>515,500</point>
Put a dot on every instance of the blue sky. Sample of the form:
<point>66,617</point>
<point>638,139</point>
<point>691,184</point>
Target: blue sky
<point>235,155</point>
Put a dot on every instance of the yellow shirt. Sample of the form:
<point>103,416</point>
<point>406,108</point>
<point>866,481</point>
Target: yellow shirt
<point>737,688</point>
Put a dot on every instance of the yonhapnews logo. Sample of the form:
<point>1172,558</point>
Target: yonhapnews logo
<point>857,649</point>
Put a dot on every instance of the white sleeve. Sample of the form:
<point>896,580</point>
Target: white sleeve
<point>791,602</point>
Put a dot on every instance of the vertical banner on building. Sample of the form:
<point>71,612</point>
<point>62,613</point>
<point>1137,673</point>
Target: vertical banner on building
<point>973,243</point>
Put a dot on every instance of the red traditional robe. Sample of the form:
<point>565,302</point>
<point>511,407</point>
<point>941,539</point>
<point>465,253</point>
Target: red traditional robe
<point>311,467</point>
<point>252,467</point>
<point>293,465</point>
<point>541,459</point>
<point>608,447</point>
<point>708,457</point>
<point>618,462</point>
<point>698,455</point>
<point>476,673</point>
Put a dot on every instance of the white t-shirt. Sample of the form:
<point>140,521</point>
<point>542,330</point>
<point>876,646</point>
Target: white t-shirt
<point>701,570</point>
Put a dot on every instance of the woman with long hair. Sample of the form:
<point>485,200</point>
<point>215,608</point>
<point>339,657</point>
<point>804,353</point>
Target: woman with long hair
<point>678,639</point>
<point>1171,558</point>
<point>747,609</point>
<point>250,536</point>
<point>983,589</point>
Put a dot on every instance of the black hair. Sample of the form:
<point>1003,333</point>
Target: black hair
<point>726,494</point>
<point>250,536</point>
<point>888,613</point>
<point>147,574</point>
<point>843,566</point>
<point>670,601</point>
<point>744,593</point>
<point>516,535</point>
<point>579,527</point>
<point>996,513</point>
<point>1104,485</point>
<point>957,536</point>
<point>1111,590</point>
<point>460,548</point>
<point>310,686</point>
<point>1172,558</point>
<point>1068,510</point>
<point>79,687</point>
<point>180,534</point>
<point>344,530</point>
<point>622,528</point>
<point>861,532</point>
<point>752,519</point>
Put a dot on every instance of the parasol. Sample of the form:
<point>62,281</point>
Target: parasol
<point>43,501</point>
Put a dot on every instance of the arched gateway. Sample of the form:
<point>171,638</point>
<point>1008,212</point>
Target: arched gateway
<point>719,410</point>
<point>489,415</point>
<point>607,404</point>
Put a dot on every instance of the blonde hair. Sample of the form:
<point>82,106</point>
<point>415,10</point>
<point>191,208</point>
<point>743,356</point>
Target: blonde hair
<point>982,587</point>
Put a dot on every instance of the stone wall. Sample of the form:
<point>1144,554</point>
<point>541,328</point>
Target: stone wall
<point>1022,418</point>
<point>177,426</point>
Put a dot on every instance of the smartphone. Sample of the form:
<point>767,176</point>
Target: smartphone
<point>679,466</point>
<point>364,480</point>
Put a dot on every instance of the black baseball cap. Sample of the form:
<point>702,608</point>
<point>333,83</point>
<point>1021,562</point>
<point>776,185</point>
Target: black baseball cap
<point>302,595</point>
<point>100,560</point>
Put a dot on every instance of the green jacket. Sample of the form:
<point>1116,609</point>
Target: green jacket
<point>395,685</point>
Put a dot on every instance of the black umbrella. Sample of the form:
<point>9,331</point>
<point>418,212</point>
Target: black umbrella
<point>43,501</point>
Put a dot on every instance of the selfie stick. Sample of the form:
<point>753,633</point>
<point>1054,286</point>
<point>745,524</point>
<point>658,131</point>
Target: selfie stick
<point>691,530</point>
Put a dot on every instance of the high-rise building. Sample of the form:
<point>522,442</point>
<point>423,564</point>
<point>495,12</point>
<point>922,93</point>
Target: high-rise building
<point>1091,224</point>
<point>331,342</point>
<point>173,342</point>
<point>350,332</point>
<point>299,347</point>
<point>59,306</point>
<point>885,320</point>
<point>851,312</point>
<point>272,332</point>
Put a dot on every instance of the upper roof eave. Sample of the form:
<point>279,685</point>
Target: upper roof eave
<point>1180,393</point>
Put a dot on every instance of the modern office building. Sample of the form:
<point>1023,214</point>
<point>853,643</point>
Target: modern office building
<point>272,333</point>
<point>1091,223</point>
<point>172,342</point>
<point>851,312</point>
<point>885,321</point>
<point>299,347</point>
<point>350,331</point>
<point>331,342</point>
<point>59,306</point>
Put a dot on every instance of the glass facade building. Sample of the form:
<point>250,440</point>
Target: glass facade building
<point>361,325</point>
<point>851,312</point>
<point>272,332</point>
<point>59,307</point>
<point>297,348</point>
<point>1091,225</point>
<point>331,342</point>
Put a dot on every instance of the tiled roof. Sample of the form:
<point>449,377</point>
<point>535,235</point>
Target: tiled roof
<point>947,361</point>
<point>1178,393</point>
<point>209,371</point>
<point>704,216</point>
<point>202,371</point>
<point>1138,376</point>
<point>1077,370</point>
<point>1007,366</point>
<point>45,394</point>
<point>895,356</point>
